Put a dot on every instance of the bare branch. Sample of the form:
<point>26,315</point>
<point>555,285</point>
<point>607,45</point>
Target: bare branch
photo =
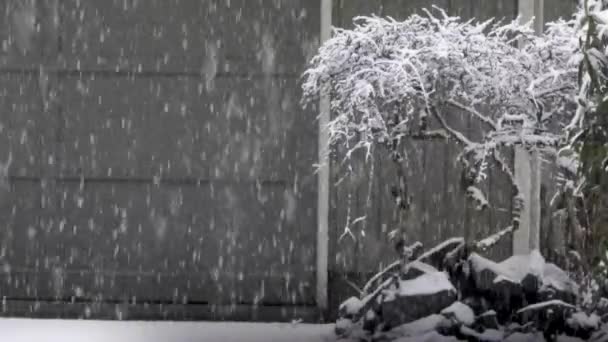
<point>368,301</point>
<point>380,274</point>
<point>458,136</point>
<point>474,113</point>
<point>553,90</point>
<point>354,286</point>
<point>438,134</point>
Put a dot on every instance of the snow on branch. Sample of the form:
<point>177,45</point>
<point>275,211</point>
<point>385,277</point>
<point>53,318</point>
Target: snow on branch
<point>483,118</point>
<point>452,245</point>
<point>478,197</point>
<point>392,80</point>
<point>380,274</point>
<point>453,133</point>
<point>493,239</point>
<point>385,75</point>
<point>388,78</point>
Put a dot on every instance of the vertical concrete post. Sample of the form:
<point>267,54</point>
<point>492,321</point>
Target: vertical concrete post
<point>323,177</point>
<point>527,164</point>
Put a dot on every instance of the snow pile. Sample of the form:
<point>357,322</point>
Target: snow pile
<point>480,200</point>
<point>516,268</point>
<point>30,330</point>
<point>569,163</point>
<point>426,284</point>
<point>351,306</point>
<point>461,312</point>
<point>419,327</point>
<point>409,300</point>
<point>555,277</point>
<point>581,320</point>
<point>489,335</point>
<point>484,301</point>
<point>431,336</point>
<point>524,337</point>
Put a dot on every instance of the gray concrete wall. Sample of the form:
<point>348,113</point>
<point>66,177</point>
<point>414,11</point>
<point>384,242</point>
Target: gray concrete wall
<point>160,153</point>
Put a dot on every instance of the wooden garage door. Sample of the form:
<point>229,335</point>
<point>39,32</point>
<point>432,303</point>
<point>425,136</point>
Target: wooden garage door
<point>157,151</point>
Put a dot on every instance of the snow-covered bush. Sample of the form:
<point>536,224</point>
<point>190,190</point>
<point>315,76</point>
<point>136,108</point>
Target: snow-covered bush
<point>390,80</point>
<point>581,205</point>
<point>591,139</point>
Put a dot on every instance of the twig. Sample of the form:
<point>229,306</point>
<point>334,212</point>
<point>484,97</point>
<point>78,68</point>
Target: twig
<point>379,275</point>
<point>477,115</point>
<point>368,300</point>
<point>550,91</point>
<point>347,232</point>
<point>354,286</point>
<point>492,240</point>
<point>438,134</point>
<point>460,138</point>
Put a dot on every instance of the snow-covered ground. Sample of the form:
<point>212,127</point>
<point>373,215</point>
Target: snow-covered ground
<point>30,330</point>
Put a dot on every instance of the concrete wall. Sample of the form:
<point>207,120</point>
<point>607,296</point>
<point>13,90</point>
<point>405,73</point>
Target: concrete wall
<point>160,155</point>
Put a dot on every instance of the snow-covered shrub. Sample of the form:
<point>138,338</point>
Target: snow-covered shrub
<point>581,205</point>
<point>390,80</point>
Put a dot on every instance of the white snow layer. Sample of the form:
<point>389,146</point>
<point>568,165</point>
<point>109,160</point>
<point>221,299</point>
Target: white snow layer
<point>494,238</point>
<point>421,266</point>
<point>601,16</point>
<point>462,312</point>
<point>432,336</point>
<point>351,306</point>
<point>554,302</point>
<point>30,330</point>
<point>563,338</point>
<point>517,267</point>
<point>581,320</point>
<point>521,337</point>
<point>569,163</point>
<point>419,327</point>
<point>477,195</point>
<point>490,335</point>
<point>426,284</point>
